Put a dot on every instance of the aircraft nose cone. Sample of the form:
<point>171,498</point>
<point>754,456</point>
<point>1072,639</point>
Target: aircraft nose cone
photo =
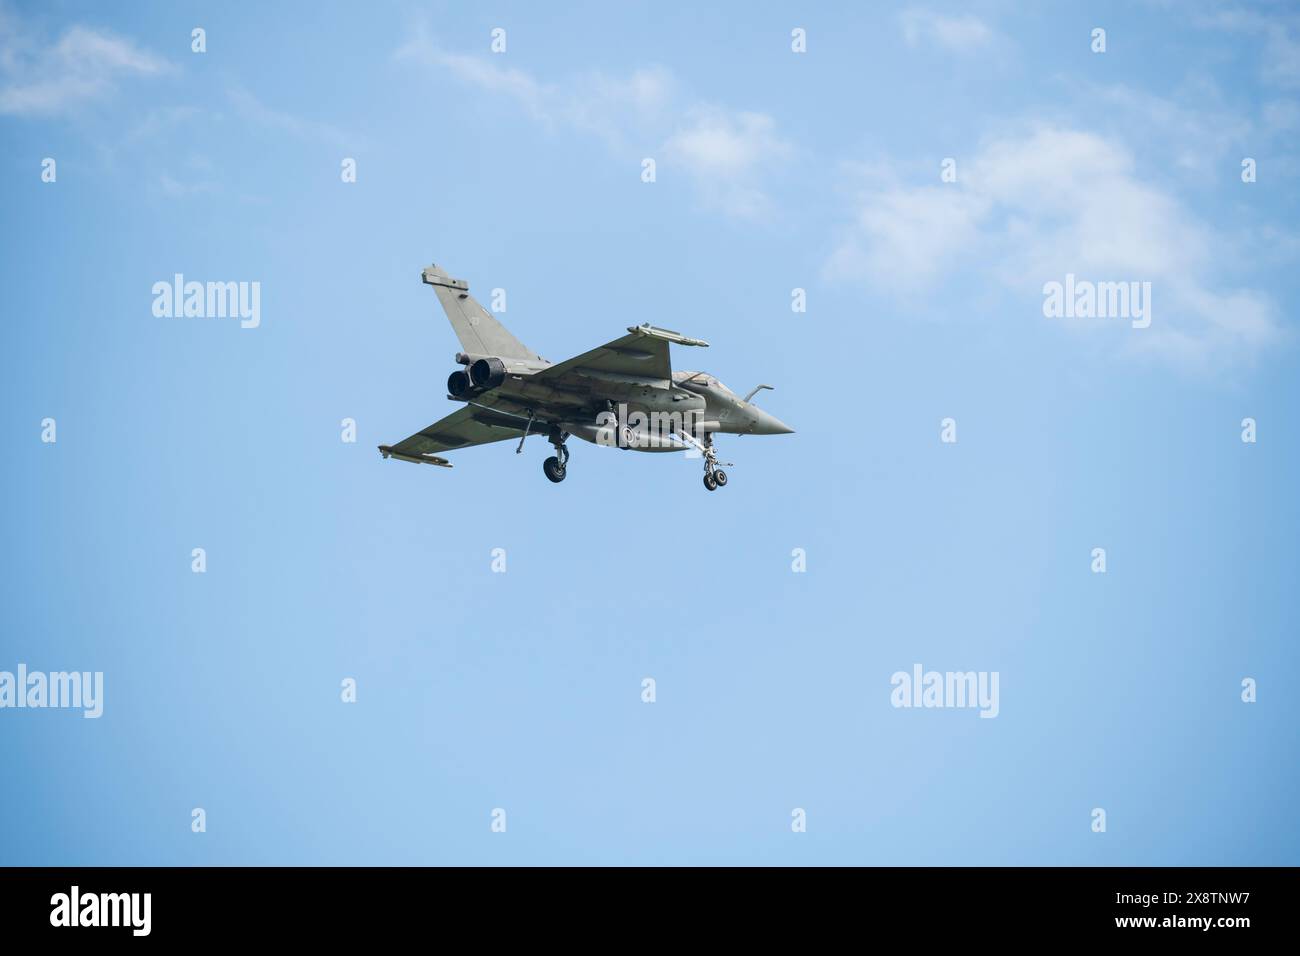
<point>765,424</point>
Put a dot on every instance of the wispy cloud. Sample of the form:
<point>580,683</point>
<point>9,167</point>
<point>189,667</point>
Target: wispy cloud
<point>1195,129</point>
<point>1279,52</point>
<point>255,111</point>
<point>724,152</point>
<point>195,176</point>
<point>1280,116</point>
<point>177,189</point>
<point>615,108</point>
<point>958,34</point>
<point>1029,208</point>
<point>40,78</point>
<point>541,102</point>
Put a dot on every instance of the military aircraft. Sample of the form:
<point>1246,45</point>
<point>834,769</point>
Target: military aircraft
<point>623,394</point>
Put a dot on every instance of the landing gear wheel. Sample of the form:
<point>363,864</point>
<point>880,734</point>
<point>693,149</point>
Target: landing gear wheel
<point>554,470</point>
<point>719,476</point>
<point>710,482</point>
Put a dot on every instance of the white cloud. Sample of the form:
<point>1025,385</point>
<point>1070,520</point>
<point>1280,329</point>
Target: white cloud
<point>904,237</point>
<point>1031,207</point>
<point>725,153</point>
<point>960,34</point>
<point>82,66</point>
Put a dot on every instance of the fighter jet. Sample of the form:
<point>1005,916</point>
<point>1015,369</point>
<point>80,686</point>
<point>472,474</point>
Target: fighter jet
<point>623,394</point>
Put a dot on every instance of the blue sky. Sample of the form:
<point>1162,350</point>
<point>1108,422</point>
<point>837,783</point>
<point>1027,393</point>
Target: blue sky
<point>775,171</point>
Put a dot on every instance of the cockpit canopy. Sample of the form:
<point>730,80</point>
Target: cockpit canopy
<point>701,382</point>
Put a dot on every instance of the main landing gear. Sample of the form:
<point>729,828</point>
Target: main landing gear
<point>554,467</point>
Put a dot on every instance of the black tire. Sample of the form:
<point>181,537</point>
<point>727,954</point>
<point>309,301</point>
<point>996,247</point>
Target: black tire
<point>554,470</point>
<point>709,482</point>
<point>719,476</point>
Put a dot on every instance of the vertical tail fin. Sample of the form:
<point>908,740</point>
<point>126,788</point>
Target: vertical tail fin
<point>478,331</point>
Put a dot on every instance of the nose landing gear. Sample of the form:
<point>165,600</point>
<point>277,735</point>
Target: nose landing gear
<point>714,477</point>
